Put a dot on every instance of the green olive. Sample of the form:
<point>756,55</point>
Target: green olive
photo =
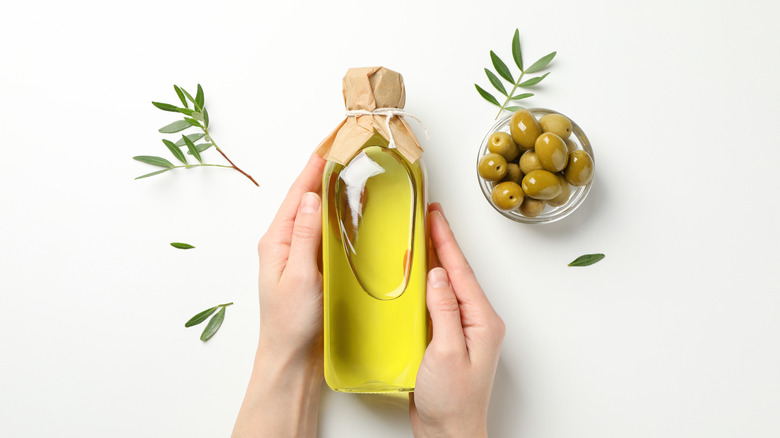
<point>541,184</point>
<point>579,172</point>
<point>551,151</point>
<point>531,207</point>
<point>502,143</point>
<point>571,146</point>
<point>558,124</point>
<point>565,193</point>
<point>529,162</point>
<point>513,173</point>
<point>492,167</point>
<point>507,195</point>
<point>524,129</point>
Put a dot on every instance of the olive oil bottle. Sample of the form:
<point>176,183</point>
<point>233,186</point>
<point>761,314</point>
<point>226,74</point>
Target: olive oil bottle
<point>374,251</point>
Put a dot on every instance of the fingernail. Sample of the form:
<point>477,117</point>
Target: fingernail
<point>310,203</point>
<point>441,213</point>
<point>437,277</point>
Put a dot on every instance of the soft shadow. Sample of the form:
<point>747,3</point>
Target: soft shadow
<point>391,409</point>
<point>505,403</point>
<point>591,211</point>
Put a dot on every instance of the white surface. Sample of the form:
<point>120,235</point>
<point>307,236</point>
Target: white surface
<point>674,334</point>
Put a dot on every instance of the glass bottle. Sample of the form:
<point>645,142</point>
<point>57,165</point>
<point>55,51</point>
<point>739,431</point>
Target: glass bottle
<point>374,268</point>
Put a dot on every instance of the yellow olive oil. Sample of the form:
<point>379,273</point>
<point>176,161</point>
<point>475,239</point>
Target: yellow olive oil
<point>374,270</point>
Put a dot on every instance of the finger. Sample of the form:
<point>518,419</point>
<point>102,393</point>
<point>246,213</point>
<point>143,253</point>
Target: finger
<point>465,284</point>
<point>445,314</point>
<point>433,259</point>
<point>306,235</point>
<point>310,180</point>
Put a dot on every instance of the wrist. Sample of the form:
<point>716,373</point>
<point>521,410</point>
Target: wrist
<point>283,393</point>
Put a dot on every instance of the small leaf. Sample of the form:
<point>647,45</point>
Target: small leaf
<point>513,108</point>
<point>153,173</point>
<point>196,115</point>
<point>189,96</point>
<point>541,63</point>
<point>193,149</point>
<point>199,97</point>
<point>200,317</point>
<point>587,259</point>
<point>179,125</point>
<point>532,81</point>
<point>201,147</point>
<point>154,161</point>
<point>496,82</point>
<point>214,324</point>
<point>166,107</point>
<point>487,96</point>
<point>501,68</point>
<point>206,117</point>
<point>522,96</point>
<point>516,53</point>
<point>180,245</point>
<point>181,96</point>
<point>193,122</point>
<point>175,151</point>
<point>192,137</point>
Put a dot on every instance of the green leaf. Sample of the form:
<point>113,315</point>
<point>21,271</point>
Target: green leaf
<point>541,63</point>
<point>154,161</point>
<point>501,68</point>
<point>189,96</point>
<point>153,173</point>
<point>214,324</point>
<point>166,107</point>
<point>516,53</point>
<point>193,122</point>
<point>197,116</point>
<point>201,147</point>
<point>206,117</point>
<point>192,137</point>
<point>175,151</point>
<point>181,96</point>
<point>180,245</point>
<point>587,259</point>
<point>193,149</point>
<point>532,81</point>
<point>496,82</point>
<point>513,108</point>
<point>179,125</point>
<point>522,96</point>
<point>487,96</point>
<point>200,317</point>
<point>200,98</point>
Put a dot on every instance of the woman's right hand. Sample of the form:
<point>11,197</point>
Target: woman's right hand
<point>456,375</point>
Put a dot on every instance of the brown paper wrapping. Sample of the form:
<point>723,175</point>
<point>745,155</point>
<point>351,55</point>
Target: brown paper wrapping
<point>367,89</point>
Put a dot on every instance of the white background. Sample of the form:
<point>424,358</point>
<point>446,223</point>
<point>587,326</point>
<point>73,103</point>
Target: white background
<point>674,334</point>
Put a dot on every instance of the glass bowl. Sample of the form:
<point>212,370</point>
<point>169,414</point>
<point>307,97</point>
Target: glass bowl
<point>550,214</point>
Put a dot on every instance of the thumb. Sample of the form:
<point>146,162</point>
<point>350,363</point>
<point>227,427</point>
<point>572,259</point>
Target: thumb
<point>445,313</point>
<point>307,233</point>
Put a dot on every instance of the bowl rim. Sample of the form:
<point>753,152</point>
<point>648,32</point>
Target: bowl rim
<point>578,193</point>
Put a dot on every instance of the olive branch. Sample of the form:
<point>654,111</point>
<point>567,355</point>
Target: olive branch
<point>196,117</point>
<point>506,74</point>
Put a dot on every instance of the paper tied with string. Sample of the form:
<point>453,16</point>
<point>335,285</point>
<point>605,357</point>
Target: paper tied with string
<point>368,90</point>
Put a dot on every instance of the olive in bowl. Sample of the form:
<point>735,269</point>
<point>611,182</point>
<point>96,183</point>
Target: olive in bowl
<point>554,167</point>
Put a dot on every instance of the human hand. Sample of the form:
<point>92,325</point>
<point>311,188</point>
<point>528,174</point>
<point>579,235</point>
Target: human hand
<point>290,280</point>
<point>456,375</point>
<point>282,397</point>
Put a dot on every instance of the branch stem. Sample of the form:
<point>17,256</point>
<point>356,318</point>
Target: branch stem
<point>206,131</point>
<point>509,97</point>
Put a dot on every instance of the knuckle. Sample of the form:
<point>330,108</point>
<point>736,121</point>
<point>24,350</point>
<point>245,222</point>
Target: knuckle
<point>447,304</point>
<point>304,231</point>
